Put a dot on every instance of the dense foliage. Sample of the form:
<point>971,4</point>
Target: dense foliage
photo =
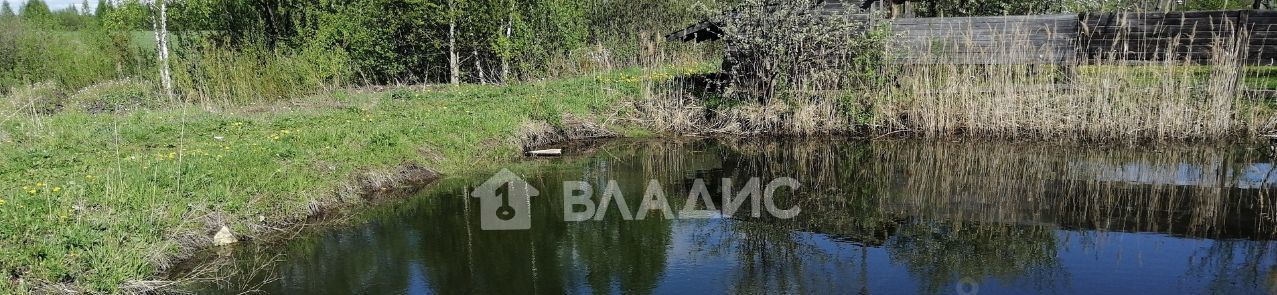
<point>250,50</point>
<point>298,46</point>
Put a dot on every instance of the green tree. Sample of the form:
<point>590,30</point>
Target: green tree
<point>5,9</point>
<point>36,11</point>
<point>1192,5</point>
<point>104,8</point>
<point>958,8</point>
<point>69,18</point>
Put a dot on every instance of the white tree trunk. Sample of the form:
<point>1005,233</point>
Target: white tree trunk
<point>160,27</point>
<point>505,52</point>
<point>478,67</point>
<point>453,62</point>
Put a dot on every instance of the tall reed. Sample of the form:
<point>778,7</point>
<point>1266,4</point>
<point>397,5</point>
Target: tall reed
<point>1110,98</point>
<point>962,84</point>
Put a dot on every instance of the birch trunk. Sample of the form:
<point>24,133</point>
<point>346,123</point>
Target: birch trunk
<point>453,62</point>
<point>505,59</point>
<point>505,53</point>
<point>160,27</point>
<point>478,67</point>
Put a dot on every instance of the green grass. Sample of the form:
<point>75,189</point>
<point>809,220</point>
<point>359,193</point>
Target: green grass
<point>92,201</point>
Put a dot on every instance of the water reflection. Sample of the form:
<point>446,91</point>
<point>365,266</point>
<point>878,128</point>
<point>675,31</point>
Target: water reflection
<point>882,217</point>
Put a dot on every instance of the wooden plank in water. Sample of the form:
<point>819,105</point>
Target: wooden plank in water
<point>546,153</point>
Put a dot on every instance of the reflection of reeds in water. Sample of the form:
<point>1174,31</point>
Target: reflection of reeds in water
<point>1183,191</point>
<point>949,210</point>
<point>1179,190</point>
<point>861,189</point>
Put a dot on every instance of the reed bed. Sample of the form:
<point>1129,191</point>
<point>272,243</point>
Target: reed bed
<point>1110,98</point>
<point>949,87</point>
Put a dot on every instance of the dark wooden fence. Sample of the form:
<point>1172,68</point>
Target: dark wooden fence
<point>1197,37</point>
<point>1045,39</point>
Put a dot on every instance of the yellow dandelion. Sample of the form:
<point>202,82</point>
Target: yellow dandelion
<point>39,184</point>
<point>31,191</point>
<point>2,202</point>
<point>57,189</point>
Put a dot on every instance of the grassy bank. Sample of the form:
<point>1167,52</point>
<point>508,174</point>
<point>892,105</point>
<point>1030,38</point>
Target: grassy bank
<point>96,202</point>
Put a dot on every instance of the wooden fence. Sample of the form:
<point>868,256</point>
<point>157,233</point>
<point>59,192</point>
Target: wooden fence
<point>1197,37</point>
<point>1046,39</point>
<point>1202,37</point>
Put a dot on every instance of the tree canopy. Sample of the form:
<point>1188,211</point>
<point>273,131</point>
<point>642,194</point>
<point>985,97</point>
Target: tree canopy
<point>5,9</point>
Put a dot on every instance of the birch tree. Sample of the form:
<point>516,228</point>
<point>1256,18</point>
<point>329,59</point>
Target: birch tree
<point>453,63</point>
<point>505,43</point>
<point>160,25</point>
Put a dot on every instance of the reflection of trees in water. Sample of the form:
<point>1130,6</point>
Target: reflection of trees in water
<point>605,256</point>
<point>990,210</point>
<point>943,210</point>
<point>848,195</point>
<point>1230,266</point>
<point>836,197</point>
<point>773,259</point>
<point>460,257</point>
<point>628,254</point>
<point>943,253</point>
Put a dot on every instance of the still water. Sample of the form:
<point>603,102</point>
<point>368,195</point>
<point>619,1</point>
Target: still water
<point>885,217</point>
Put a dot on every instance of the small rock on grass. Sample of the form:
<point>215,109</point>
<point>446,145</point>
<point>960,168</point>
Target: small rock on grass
<point>224,237</point>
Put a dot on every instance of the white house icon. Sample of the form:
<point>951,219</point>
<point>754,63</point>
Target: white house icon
<point>505,202</point>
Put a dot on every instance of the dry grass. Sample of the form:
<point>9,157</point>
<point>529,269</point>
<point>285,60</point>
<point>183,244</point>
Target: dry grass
<point>1105,98</point>
<point>1111,98</point>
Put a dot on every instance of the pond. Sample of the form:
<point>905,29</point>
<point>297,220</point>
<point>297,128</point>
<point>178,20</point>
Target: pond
<point>883,217</point>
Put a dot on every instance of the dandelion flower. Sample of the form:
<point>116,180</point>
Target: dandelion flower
<point>2,202</point>
<point>57,189</point>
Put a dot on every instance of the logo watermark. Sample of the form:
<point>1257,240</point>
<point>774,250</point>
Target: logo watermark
<point>506,201</point>
<point>968,286</point>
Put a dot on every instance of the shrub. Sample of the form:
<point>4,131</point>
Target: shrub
<point>30,54</point>
<point>40,98</point>
<point>778,47</point>
<point>215,74</point>
<point>115,96</point>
